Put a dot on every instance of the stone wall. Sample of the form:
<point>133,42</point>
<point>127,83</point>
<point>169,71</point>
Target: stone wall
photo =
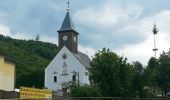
<point>8,94</point>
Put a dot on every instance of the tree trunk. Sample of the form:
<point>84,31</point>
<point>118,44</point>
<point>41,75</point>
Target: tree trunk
<point>162,92</point>
<point>154,90</point>
<point>165,92</point>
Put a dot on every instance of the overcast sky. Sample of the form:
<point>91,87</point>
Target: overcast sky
<point>124,26</point>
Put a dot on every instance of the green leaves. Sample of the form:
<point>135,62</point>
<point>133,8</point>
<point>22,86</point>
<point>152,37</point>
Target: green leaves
<point>31,58</point>
<point>164,72</point>
<point>157,73</point>
<point>85,91</point>
<point>106,72</point>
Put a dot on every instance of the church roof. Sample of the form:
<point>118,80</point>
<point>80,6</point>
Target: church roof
<point>67,24</point>
<point>83,58</point>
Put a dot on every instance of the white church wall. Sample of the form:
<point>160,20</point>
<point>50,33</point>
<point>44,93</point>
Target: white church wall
<point>55,68</point>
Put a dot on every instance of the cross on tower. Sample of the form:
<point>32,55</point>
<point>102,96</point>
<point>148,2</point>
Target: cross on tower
<point>68,7</point>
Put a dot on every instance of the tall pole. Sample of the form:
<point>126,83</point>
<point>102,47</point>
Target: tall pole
<point>155,31</point>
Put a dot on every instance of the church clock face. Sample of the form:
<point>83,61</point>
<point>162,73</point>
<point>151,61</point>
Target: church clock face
<point>64,38</point>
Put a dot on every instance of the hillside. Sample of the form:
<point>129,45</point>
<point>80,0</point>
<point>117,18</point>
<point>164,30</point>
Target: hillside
<point>31,58</point>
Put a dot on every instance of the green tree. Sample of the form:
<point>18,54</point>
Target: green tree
<point>110,73</point>
<point>125,77</point>
<point>37,37</point>
<point>85,91</point>
<point>138,80</point>
<point>104,69</point>
<point>164,73</point>
<point>31,58</point>
<point>151,73</point>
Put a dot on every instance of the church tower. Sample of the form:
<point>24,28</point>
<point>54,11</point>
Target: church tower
<point>67,34</point>
<point>69,65</point>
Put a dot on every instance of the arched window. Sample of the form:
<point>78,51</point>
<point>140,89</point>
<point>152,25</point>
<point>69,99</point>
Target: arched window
<point>55,78</point>
<point>64,69</point>
<point>74,78</point>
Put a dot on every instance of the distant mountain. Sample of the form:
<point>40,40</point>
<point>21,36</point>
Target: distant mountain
<point>31,59</point>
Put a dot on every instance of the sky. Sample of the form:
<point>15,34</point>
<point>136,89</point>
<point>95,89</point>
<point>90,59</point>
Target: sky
<point>123,26</point>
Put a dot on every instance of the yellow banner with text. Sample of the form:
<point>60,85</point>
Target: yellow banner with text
<point>33,93</point>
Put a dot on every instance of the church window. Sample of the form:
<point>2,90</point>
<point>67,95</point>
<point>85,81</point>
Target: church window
<point>64,69</point>
<point>64,56</point>
<point>74,78</point>
<point>86,73</point>
<point>55,78</point>
<point>75,39</point>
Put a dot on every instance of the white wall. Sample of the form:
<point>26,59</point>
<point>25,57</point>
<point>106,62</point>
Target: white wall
<point>56,66</point>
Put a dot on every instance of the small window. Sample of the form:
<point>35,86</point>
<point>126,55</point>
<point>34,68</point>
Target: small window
<point>74,78</point>
<point>64,56</point>
<point>55,78</point>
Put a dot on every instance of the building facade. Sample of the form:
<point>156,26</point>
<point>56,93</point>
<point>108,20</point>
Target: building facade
<point>7,74</point>
<point>69,65</point>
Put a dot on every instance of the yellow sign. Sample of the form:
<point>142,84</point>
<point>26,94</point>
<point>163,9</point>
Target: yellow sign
<point>32,93</point>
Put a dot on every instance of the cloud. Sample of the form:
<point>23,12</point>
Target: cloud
<point>32,17</point>
<point>124,26</point>
<point>107,24</point>
<point>53,40</point>
<point>87,50</point>
<point>4,30</point>
<point>107,15</point>
<point>143,51</point>
<point>125,30</point>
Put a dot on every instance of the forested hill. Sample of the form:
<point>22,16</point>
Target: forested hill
<point>31,59</point>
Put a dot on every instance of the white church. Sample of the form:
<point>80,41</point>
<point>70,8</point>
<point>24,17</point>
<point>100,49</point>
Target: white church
<point>69,65</point>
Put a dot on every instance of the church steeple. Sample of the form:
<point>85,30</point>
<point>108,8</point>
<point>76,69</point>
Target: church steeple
<point>67,34</point>
<point>67,23</point>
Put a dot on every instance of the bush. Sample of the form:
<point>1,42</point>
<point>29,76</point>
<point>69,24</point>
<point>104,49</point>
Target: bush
<point>85,91</point>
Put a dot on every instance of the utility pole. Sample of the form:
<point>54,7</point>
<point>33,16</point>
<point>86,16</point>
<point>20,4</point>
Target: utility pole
<point>155,31</point>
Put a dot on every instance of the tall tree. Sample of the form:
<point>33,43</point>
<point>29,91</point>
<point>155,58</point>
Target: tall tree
<point>125,76</point>
<point>37,37</point>
<point>104,72</point>
<point>110,73</point>
<point>164,73</point>
<point>151,73</point>
<point>138,79</point>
